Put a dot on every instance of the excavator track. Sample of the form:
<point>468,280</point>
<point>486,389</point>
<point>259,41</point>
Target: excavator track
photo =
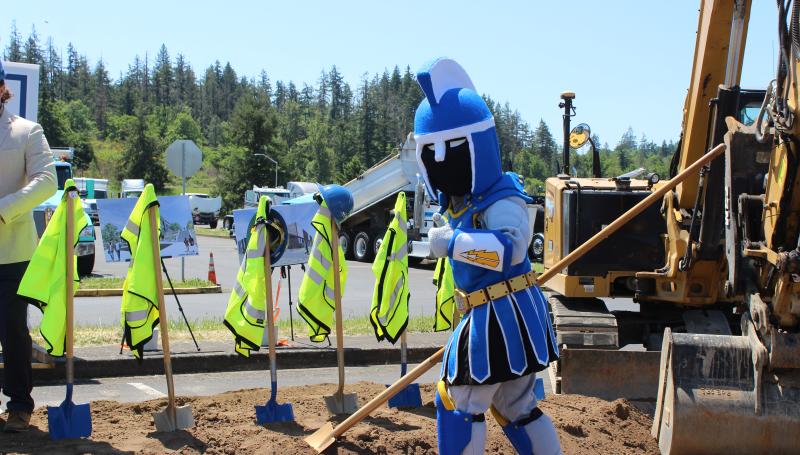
<point>590,360</point>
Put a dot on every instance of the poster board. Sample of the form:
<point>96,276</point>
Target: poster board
<point>177,229</point>
<point>298,223</point>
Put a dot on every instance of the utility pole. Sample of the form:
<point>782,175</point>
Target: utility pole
<point>273,162</point>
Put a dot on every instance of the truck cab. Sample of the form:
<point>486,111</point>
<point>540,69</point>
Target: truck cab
<point>277,195</point>
<point>131,188</point>
<point>91,190</point>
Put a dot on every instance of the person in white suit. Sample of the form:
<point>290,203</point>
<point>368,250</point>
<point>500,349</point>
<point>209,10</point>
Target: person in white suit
<point>27,178</point>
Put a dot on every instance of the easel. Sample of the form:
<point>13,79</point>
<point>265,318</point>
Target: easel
<point>180,308</point>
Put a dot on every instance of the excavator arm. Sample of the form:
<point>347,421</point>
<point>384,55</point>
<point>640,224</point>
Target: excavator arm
<point>740,392</point>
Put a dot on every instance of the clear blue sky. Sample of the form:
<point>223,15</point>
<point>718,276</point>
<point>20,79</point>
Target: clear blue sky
<point>627,60</point>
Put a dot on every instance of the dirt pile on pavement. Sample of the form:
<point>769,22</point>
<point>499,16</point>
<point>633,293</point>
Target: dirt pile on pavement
<point>224,424</point>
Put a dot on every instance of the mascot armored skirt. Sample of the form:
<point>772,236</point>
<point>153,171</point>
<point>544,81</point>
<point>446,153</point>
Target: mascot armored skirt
<point>505,335</point>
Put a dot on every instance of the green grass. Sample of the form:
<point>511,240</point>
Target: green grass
<point>213,330</point>
<point>116,283</point>
<point>212,232</point>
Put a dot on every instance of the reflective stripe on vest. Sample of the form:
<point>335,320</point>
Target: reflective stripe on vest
<point>389,310</point>
<point>139,291</point>
<point>246,310</point>
<point>316,295</point>
<point>45,282</point>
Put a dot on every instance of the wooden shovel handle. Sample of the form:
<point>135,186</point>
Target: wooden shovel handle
<point>391,391</point>
<point>576,254</point>
<point>337,297</point>
<point>70,285</point>
<point>163,321</point>
<point>270,315</point>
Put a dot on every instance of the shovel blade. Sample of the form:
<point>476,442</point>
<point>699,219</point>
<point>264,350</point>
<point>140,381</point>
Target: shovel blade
<point>69,421</point>
<point>346,403</point>
<point>273,412</point>
<point>322,438</point>
<point>409,397</point>
<point>183,419</point>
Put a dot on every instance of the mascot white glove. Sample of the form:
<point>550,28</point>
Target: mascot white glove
<point>439,236</point>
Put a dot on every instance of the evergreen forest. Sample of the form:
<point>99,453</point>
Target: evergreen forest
<point>323,131</point>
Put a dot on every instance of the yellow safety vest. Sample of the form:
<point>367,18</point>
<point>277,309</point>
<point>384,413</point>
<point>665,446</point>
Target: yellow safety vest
<point>45,282</point>
<point>139,291</point>
<point>316,291</point>
<point>389,313</point>
<point>247,304</point>
<point>445,295</point>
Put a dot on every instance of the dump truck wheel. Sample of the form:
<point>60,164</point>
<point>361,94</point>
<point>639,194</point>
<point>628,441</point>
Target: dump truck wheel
<point>346,243</point>
<point>377,241</point>
<point>363,247</point>
<point>85,264</point>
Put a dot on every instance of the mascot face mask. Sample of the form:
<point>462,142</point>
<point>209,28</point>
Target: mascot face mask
<point>453,175</point>
<point>455,134</point>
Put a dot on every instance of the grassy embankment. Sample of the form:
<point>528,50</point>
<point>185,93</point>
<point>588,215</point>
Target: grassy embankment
<point>116,283</point>
<point>212,232</point>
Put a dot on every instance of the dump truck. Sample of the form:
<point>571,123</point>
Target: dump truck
<point>374,195</point>
<point>205,209</point>
<point>714,268</point>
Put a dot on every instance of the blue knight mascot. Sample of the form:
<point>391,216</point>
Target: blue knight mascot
<point>505,335</point>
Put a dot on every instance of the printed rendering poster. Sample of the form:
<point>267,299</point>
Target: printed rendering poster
<point>177,230</point>
<point>298,222</point>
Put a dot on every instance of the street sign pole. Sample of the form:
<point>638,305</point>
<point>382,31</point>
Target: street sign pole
<point>184,158</point>
<point>183,180</point>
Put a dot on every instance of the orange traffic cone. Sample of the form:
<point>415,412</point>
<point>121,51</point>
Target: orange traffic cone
<point>212,274</point>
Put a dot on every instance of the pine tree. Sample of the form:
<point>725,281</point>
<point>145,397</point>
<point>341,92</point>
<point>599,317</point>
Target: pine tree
<point>142,157</point>
<point>545,146</point>
<point>31,51</point>
<point>163,78</point>
<point>14,49</point>
<point>101,88</point>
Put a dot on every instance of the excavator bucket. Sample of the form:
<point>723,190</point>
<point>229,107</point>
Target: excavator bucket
<point>712,400</point>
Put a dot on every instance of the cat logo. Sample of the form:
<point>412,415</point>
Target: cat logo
<point>483,257</point>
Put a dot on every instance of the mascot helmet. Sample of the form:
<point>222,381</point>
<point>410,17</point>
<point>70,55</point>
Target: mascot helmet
<point>457,149</point>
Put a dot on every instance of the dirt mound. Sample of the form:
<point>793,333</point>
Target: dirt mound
<point>225,425</point>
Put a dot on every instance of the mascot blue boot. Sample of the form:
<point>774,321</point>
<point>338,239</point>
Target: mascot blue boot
<point>505,335</point>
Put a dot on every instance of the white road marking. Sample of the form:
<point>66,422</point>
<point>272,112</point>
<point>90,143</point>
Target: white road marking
<point>147,389</point>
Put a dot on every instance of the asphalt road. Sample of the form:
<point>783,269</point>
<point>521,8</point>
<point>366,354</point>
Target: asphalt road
<point>356,298</point>
<point>143,388</point>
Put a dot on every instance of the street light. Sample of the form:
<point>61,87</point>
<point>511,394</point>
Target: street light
<point>273,162</point>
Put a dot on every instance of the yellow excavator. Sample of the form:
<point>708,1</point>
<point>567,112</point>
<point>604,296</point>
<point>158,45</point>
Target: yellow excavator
<point>714,269</point>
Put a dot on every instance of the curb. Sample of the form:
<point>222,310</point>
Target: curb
<point>117,292</point>
<point>221,361</point>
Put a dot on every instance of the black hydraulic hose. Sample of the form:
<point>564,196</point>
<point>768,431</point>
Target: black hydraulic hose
<point>686,260</point>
